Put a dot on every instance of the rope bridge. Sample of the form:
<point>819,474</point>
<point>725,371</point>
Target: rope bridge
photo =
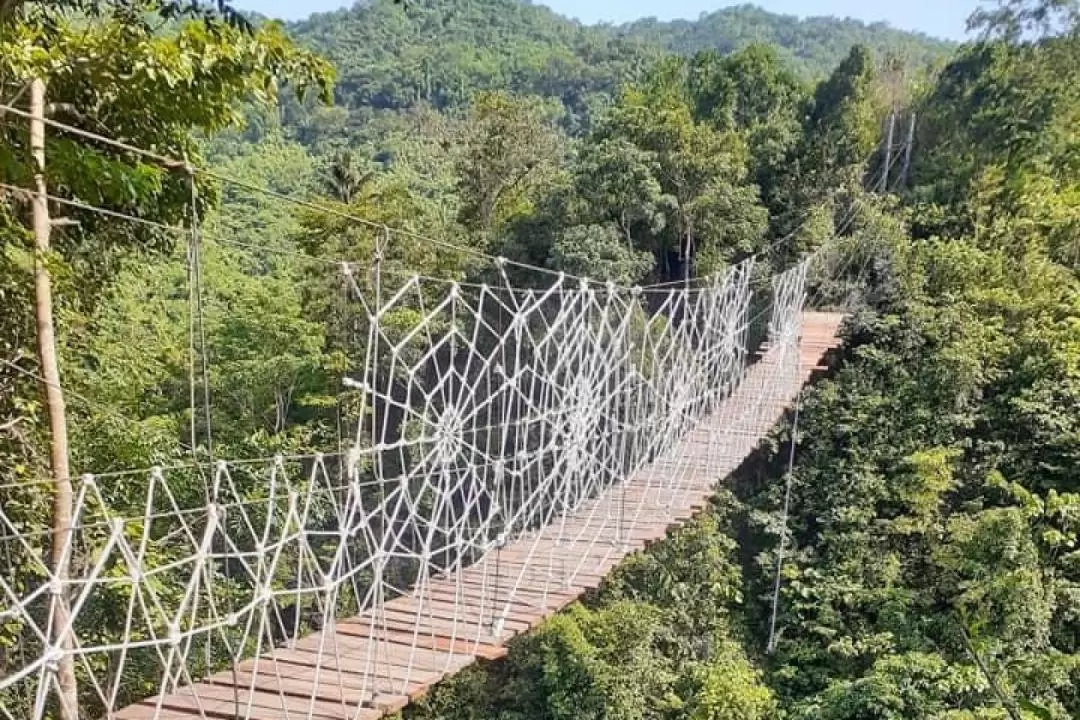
<point>512,446</point>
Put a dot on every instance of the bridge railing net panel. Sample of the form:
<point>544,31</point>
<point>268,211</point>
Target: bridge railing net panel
<point>489,416</point>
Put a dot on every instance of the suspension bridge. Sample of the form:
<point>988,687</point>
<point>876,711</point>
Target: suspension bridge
<point>512,446</point>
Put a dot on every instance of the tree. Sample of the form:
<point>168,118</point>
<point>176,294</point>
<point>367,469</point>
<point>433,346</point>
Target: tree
<point>842,128</point>
<point>1016,20</point>
<point>11,10</point>
<point>731,689</point>
<point>699,170</point>
<point>149,90</point>
<point>511,149</point>
<point>765,102</point>
<point>344,179</point>
<point>996,146</point>
<point>598,251</point>
<point>616,180</point>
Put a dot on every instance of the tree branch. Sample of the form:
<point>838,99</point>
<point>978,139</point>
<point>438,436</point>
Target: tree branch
<point>11,423</point>
<point>1008,704</point>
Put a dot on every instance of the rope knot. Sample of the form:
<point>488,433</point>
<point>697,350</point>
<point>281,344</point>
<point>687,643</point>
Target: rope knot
<point>52,659</point>
<point>352,462</point>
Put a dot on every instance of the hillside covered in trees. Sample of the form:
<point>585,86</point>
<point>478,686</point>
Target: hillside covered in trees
<point>930,564</point>
<point>439,53</point>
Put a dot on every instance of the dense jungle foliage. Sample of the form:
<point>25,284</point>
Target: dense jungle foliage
<point>931,566</point>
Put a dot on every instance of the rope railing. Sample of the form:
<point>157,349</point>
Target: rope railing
<point>509,443</point>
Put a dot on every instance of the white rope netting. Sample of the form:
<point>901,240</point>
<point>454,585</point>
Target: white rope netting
<point>498,427</point>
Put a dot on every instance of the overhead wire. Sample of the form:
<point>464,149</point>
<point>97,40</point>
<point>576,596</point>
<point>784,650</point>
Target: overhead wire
<point>77,204</point>
<point>178,229</point>
<point>304,257</point>
<point>185,165</point>
<point>177,164</point>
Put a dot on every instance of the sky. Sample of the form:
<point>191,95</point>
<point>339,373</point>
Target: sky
<point>941,18</point>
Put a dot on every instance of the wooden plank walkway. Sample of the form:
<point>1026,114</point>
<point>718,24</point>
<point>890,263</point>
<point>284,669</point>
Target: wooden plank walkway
<point>368,666</point>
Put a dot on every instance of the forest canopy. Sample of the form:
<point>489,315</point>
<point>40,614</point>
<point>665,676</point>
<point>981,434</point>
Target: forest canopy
<point>931,564</point>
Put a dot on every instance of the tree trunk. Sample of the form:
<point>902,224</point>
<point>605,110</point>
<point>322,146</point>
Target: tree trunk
<point>59,555</point>
<point>888,152</point>
<point>907,152</point>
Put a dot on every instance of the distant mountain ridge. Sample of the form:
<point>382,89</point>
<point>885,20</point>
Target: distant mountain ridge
<point>391,56</point>
<point>815,44</point>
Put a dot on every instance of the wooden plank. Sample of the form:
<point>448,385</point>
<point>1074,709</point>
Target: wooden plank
<point>440,601</point>
<point>529,596</point>
<point>387,668</point>
<point>523,600</point>
<point>447,610</point>
<point>434,641</point>
<point>141,711</point>
<point>402,681</point>
<point>298,683</point>
<point>404,622</point>
<point>270,701</point>
<point>200,705</point>
<point>367,651</point>
<point>308,682</point>
<point>537,580</point>
<point>389,704</point>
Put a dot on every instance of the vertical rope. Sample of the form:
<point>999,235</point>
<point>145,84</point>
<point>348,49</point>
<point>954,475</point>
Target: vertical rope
<point>499,479</point>
<point>376,281</point>
<point>771,647</point>
<point>196,273</point>
<point>197,326</point>
<point>193,411</point>
<point>192,323</point>
<point>372,378</point>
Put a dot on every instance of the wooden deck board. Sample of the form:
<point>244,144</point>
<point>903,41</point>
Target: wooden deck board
<point>370,665</point>
<point>379,678</point>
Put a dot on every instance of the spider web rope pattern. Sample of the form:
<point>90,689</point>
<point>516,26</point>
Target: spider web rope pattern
<point>512,444</point>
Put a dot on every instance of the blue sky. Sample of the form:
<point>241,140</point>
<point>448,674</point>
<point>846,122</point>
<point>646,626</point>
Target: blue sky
<point>943,18</point>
